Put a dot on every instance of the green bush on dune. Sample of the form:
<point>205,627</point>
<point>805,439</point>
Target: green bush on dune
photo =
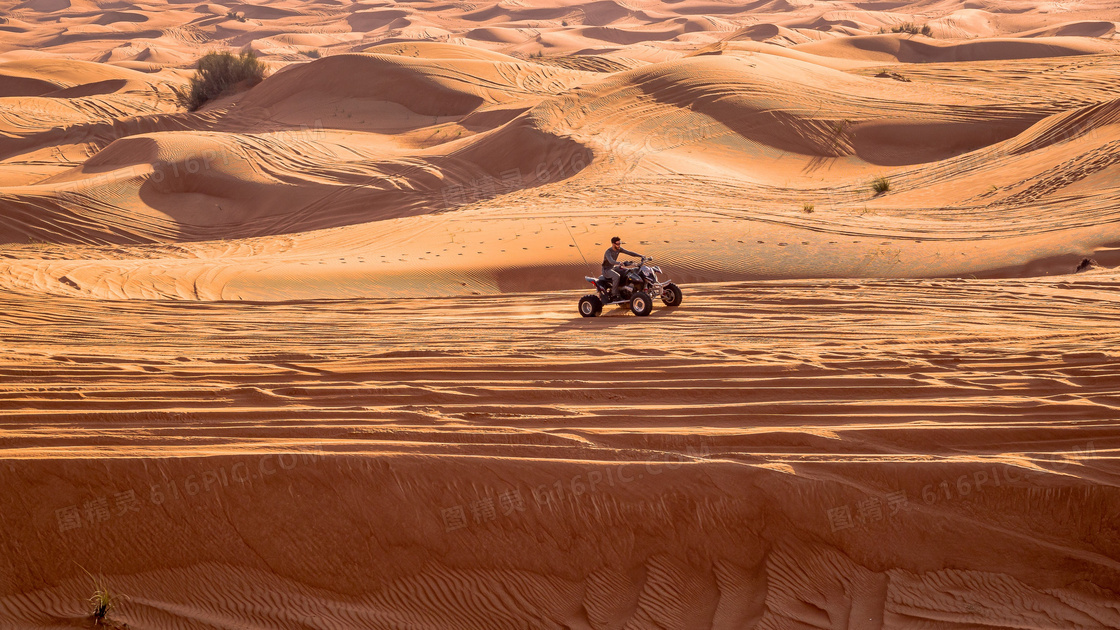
<point>218,72</point>
<point>913,29</point>
<point>102,602</point>
<point>880,185</point>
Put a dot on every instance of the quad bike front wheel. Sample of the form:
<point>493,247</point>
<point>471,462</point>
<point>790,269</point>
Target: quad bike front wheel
<point>590,306</point>
<point>671,295</point>
<point>641,304</point>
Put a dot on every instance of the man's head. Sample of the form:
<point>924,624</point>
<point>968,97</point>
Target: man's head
<point>616,243</point>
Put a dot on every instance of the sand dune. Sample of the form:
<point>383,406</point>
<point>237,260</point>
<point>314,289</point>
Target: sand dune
<point>895,48</point>
<point>1074,29</point>
<point>317,482</point>
<point>69,29</point>
<point>451,127</point>
<point>309,357</point>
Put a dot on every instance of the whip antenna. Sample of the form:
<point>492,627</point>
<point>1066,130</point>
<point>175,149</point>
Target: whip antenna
<point>576,244</point>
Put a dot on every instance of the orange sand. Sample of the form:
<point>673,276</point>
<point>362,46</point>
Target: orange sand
<point>309,357</point>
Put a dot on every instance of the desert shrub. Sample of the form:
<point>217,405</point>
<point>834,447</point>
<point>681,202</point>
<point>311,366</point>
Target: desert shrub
<point>887,74</point>
<point>808,208</point>
<point>313,54</point>
<point>218,72</point>
<point>102,602</point>
<point>880,185</point>
<point>913,29</point>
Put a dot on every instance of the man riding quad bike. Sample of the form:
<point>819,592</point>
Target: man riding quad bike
<point>630,283</point>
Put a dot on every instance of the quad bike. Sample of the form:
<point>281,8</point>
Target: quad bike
<point>639,287</point>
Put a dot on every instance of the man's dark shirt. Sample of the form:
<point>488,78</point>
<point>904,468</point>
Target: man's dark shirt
<point>610,258</point>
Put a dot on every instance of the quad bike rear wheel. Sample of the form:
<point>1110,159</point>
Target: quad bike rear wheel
<point>641,304</point>
<point>590,306</point>
<point>671,295</point>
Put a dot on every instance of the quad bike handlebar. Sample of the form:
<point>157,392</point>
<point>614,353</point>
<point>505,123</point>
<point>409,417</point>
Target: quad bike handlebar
<point>631,263</point>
